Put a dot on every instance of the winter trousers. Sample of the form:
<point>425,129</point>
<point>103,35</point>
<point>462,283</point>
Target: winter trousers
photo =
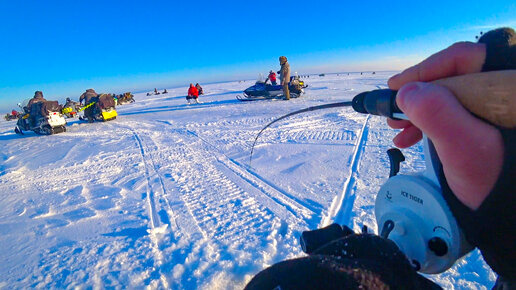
<point>286,92</point>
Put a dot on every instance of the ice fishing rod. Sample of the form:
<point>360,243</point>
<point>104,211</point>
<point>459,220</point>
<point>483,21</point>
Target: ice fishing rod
<point>85,107</point>
<point>410,209</point>
<point>488,95</point>
<point>309,109</point>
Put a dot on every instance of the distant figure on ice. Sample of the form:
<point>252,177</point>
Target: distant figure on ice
<point>193,94</point>
<point>272,78</point>
<point>156,91</point>
<point>285,76</point>
<point>199,89</point>
<point>165,91</point>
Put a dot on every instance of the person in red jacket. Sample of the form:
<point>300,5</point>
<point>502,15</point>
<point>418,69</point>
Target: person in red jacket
<point>193,94</point>
<point>272,78</point>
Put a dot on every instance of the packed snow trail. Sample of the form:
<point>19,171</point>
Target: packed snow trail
<point>341,207</point>
<point>164,197</point>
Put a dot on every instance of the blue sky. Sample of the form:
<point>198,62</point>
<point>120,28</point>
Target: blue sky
<point>65,47</point>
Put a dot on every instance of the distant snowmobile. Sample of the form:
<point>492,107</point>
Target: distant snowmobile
<point>10,117</point>
<point>44,118</point>
<point>70,109</point>
<point>263,91</point>
<point>125,98</point>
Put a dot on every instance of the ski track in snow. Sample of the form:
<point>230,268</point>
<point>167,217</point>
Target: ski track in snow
<point>341,207</point>
<point>164,197</point>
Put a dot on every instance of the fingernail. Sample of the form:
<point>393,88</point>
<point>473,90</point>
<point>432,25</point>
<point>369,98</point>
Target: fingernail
<point>403,98</point>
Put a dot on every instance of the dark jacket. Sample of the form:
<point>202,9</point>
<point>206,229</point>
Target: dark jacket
<point>87,96</point>
<point>199,89</point>
<point>38,97</point>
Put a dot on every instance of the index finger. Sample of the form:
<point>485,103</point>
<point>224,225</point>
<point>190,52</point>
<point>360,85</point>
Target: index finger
<point>458,59</point>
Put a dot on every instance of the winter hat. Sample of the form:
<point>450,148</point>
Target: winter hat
<point>38,94</point>
<point>282,59</point>
<point>500,48</point>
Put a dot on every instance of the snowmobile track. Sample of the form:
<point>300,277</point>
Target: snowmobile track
<point>274,197</point>
<point>154,219</point>
<point>221,202</point>
<point>153,193</point>
<point>278,195</point>
<point>342,205</point>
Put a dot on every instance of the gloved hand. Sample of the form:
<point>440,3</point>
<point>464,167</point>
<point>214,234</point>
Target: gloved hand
<point>351,262</point>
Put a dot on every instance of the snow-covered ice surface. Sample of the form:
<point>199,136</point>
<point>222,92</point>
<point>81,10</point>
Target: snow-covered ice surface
<point>164,196</point>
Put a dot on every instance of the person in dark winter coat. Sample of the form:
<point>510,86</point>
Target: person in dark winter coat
<point>285,76</point>
<point>193,94</point>
<point>87,96</point>
<point>199,89</point>
<point>478,180</point>
<point>38,97</point>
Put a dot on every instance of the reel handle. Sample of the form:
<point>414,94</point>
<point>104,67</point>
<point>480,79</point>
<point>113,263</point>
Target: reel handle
<point>488,95</point>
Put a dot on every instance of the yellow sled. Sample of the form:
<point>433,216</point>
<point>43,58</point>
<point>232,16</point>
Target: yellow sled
<point>109,114</point>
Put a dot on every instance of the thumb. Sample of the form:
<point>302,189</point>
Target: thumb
<point>470,150</point>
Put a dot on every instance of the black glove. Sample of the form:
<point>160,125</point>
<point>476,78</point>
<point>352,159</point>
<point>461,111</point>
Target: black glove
<point>492,227</point>
<point>352,262</point>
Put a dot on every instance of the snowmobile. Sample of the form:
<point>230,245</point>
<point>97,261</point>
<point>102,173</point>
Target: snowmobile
<point>100,108</point>
<point>70,109</point>
<point>10,117</point>
<point>44,118</point>
<point>125,98</point>
<point>263,91</point>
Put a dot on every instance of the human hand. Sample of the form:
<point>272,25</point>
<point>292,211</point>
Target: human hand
<point>470,150</point>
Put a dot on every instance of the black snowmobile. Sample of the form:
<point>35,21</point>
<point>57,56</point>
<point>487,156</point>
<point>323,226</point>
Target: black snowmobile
<point>44,118</point>
<point>264,91</point>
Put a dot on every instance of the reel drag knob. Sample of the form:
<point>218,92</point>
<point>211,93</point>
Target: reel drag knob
<point>438,246</point>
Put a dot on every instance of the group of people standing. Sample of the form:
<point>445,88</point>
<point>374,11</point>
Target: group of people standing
<point>193,93</point>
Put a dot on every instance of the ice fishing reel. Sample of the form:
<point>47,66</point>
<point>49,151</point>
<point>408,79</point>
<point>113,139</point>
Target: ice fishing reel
<point>410,209</point>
